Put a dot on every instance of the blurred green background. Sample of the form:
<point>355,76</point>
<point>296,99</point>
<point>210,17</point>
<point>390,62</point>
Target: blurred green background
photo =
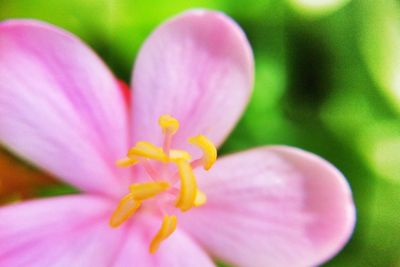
<point>327,80</point>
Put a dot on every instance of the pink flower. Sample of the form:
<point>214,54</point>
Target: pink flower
<point>62,110</point>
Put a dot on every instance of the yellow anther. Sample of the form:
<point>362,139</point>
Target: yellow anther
<point>175,155</point>
<point>168,124</point>
<point>187,194</point>
<point>142,191</point>
<point>126,162</point>
<point>208,148</point>
<point>200,199</point>
<point>168,226</point>
<point>125,209</point>
<point>148,150</point>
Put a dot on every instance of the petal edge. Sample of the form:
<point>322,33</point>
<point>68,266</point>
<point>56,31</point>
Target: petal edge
<point>60,106</point>
<point>197,67</point>
<point>273,206</point>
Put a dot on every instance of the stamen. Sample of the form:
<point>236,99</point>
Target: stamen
<point>142,191</point>
<point>147,150</point>
<point>175,155</point>
<point>168,124</point>
<point>200,199</point>
<point>188,186</point>
<point>126,162</point>
<point>125,209</point>
<point>184,198</point>
<point>208,148</point>
<point>168,226</point>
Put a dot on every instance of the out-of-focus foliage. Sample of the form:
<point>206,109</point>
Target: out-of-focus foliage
<point>317,8</point>
<point>327,80</point>
<point>379,39</point>
<point>19,181</point>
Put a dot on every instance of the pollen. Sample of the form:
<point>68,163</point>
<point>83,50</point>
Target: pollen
<point>176,155</point>
<point>168,226</point>
<point>208,148</point>
<point>188,186</point>
<point>142,191</point>
<point>200,199</point>
<point>125,209</point>
<point>147,150</point>
<point>168,124</point>
<point>172,182</point>
<point>126,162</point>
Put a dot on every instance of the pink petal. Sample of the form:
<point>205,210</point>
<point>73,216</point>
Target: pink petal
<point>273,206</point>
<point>60,107</point>
<point>197,67</point>
<point>63,231</point>
<point>177,251</point>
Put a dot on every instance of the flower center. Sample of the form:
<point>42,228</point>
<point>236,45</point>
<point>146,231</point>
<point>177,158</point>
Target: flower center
<point>180,188</point>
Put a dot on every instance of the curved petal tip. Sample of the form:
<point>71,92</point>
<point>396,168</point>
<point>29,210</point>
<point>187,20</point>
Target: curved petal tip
<point>328,196</point>
<point>198,68</point>
<point>273,206</point>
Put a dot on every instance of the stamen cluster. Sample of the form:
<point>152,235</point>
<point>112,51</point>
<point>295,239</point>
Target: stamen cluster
<point>186,196</point>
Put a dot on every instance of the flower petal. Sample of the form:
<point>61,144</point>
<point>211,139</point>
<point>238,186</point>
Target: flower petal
<point>176,251</point>
<point>273,206</point>
<point>62,231</point>
<point>197,67</point>
<point>60,107</point>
